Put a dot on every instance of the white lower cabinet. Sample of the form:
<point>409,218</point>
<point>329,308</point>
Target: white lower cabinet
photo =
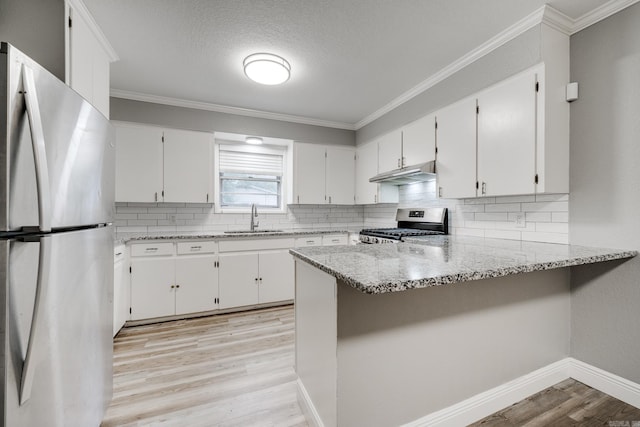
<point>163,284</point>
<point>238,276</point>
<point>255,278</point>
<point>196,283</point>
<point>180,278</point>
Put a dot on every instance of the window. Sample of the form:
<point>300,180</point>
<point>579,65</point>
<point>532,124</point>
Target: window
<point>250,175</point>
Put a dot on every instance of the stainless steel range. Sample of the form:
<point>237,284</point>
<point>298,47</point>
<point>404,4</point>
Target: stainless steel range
<point>411,222</point>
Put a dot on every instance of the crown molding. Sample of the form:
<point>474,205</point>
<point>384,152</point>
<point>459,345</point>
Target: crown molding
<point>490,45</point>
<point>81,9</point>
<point>136,96</point>
<point>545,14</point>
<point>600,13</point>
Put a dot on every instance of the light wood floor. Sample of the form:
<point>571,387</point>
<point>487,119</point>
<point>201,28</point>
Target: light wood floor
<point>227,370</point>
<point>237,370</point>
<point>569,403</point>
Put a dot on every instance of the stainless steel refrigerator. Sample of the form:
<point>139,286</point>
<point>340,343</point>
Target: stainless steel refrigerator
<point>56,250</point>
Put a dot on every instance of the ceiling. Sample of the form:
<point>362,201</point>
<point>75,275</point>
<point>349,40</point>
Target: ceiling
<point>349,58</point>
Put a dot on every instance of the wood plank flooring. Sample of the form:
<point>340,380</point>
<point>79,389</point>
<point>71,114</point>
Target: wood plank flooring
<point>228,370</point>
<point>237,370</point>
<point>569,403</point>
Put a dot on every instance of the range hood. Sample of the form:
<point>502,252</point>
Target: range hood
<point>408,174</point>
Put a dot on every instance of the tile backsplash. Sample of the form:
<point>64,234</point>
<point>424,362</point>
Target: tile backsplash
<point>543,218</point>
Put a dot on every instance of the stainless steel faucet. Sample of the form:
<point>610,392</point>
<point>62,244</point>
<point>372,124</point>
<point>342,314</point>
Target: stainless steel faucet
<point>254,214</point>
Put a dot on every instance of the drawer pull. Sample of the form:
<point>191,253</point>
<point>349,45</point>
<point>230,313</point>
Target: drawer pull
<point>196,248</point>
<point>118,253</point>
<point>151,249</point>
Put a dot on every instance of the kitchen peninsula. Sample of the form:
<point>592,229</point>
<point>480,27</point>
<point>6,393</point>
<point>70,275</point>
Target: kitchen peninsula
<point>387,334</point>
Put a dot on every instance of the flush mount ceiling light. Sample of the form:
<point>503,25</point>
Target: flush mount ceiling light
<point>266,68</point>
<point>254,140</point>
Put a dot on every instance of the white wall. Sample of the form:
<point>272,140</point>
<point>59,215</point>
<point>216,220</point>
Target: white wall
<point>37,28</point>
<point>605,192</point>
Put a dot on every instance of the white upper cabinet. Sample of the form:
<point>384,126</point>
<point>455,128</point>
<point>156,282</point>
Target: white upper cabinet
<point>150,170</point>
<point>138,163</point>
<point>390,151</point>
<point>309,177</point>
<point>366,167</point>
<point>89,57</point>
<point>507,137</point>
<point>323,174</point>
<point>340,175</point>
<point>456,156</point>
<point>187,166</point>
<point>419,141</point>
<point>368,193</point>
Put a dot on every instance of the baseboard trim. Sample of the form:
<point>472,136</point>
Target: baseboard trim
<point>606,382</point>
<point>495,399</point>
<point>308,409</point>
<point>488,402</point>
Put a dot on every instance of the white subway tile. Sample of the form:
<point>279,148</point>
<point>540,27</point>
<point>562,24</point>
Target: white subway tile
<point>122,216</point>
<point>480,201</point>
<point>152,216</point>
<point>502,207</point>
<point>546,207</point>
<point>170,205</point>
<point>132,229</point>
<point>471,208</point>
<point>503,234</point>
<point>494,216</point>
<point>553,227</point>
<point>162,210</point>
<point>538,216</point>
<point>552,197</point>
<point>515,199</point>
<point>126,209</point>
<point>546,237</point>
<point>145,222</point>
<point>560,216</point>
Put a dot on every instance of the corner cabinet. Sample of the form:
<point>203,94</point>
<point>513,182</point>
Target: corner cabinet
<point>323,174</point>
<point>162,165</point>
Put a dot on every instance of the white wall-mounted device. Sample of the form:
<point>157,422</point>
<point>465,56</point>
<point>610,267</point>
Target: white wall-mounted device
<point>572,91</point>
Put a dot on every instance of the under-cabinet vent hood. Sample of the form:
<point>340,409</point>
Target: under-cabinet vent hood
<point>408,174</point>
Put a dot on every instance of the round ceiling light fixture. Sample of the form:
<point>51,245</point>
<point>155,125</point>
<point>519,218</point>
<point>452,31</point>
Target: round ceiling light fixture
<point>254,140</point>
<point>266,68</point>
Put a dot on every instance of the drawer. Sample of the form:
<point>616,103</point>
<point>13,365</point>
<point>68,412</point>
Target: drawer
<point>197,248</point>
<point>308,241</point>
<point>152,249</point>
<point>234,245</point>
<point>335,239</point>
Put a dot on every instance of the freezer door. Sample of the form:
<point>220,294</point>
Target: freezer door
<point>57,347</point>
<point>57,161</point>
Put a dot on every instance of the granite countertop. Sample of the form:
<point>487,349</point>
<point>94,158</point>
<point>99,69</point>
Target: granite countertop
<point>440,260</point>
<point>235,235</point>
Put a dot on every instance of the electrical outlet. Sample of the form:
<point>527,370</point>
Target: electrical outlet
<point>520,221</point>
<point>172,219</point>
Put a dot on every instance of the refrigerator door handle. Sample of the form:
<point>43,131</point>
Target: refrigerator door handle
<point>39,151</point>
<point>35,341</point>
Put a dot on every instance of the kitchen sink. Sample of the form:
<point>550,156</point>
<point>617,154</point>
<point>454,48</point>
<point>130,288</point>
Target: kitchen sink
<point>253,231</point>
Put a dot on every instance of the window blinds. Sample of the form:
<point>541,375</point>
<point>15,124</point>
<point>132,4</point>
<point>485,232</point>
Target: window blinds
<point>232,161</point>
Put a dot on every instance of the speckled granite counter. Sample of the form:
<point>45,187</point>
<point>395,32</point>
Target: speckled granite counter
<point>439,260</point>
<point>234,235</point>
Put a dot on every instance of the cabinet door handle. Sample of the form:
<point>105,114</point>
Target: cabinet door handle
<point>156,196</point>
<point>151,249</point>
<point>172,286</point>
<point>329,199</point>
<point>484,188</point>
<point>399,163</point>
<point>298,199</point>
<point>439,191</point>
<point>375,198</point>
<point>196,248</point>
<point>256,279</point>
<point>177,286</point>
<point>404,161</point>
